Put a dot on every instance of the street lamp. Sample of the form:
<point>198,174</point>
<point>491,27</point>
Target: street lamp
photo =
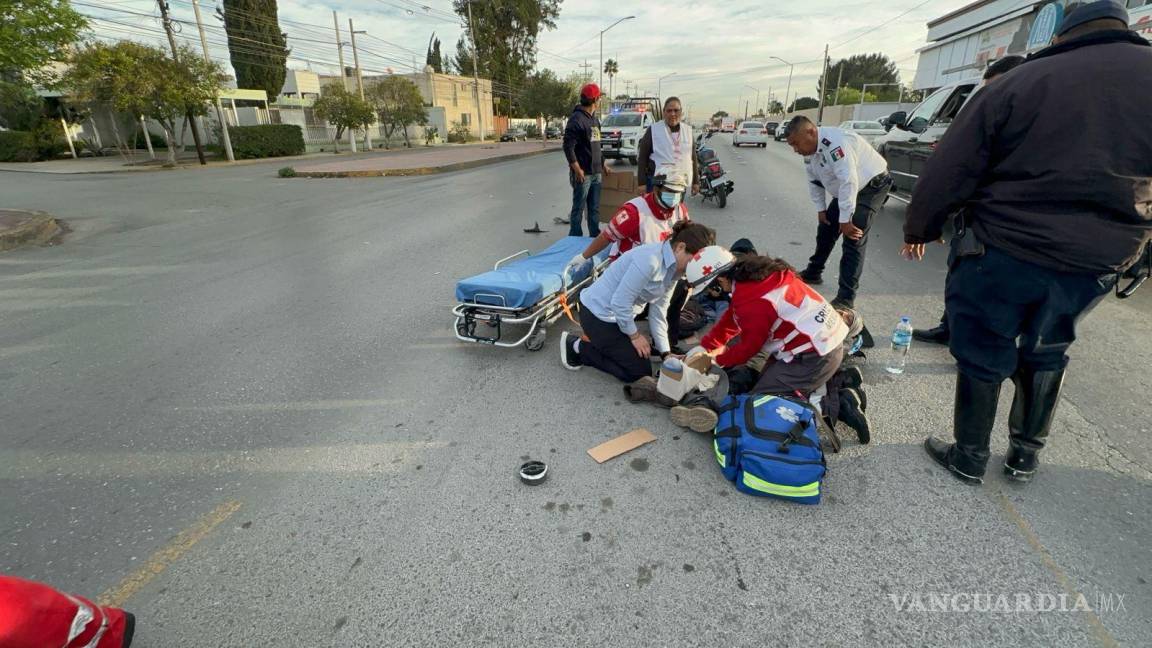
<point>791,67</point>
<point>602,49</point>
<point>659,81</point>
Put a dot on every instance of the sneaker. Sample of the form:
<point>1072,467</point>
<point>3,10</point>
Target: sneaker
<point>811,277</point>
<point>840,304</point>
<point>852,414</point>
<point>697,418</point>
<point>569,357</point>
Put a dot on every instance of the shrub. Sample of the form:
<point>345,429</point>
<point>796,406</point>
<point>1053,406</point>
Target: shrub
<point>459,133</point>
<point>17,146</point>
<point>286,172</point>
<point>157,141</point>
<point>267,140</point>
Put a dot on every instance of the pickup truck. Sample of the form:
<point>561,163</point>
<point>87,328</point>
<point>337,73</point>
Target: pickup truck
<point>913,136</point>
<point>620,134</point>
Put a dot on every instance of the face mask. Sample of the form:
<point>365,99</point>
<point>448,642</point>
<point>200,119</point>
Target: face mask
<point>669,199</point>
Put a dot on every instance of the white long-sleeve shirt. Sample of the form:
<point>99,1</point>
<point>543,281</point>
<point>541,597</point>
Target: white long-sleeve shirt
<point>644,276</point>
<point>843,163</point>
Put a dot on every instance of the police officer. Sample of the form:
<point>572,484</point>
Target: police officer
<point>845,165</point>
<point>1056,206</point>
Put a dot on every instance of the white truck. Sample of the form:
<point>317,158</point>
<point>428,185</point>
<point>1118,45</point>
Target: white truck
<point>622,128</point>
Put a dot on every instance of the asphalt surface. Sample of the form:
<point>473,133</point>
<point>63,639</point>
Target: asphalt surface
<point>235,404</point>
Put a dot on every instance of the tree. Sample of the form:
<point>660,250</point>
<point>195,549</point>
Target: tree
<point>506,33</point>
<point>434,57</point>
<point>34,33</point>
<point>611,68</point>
<point>856,70</point>
<point>775,108</point>
<point>848,96</point>
<point>256,46</point>
<point>547,95</point>
<point>398,105</point>
<point>343,110</point>
<point>803,103</point>
<point>133,79</point>
<point>719,114</point>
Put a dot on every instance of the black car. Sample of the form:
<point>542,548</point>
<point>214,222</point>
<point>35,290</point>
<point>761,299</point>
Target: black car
<point>514,135</point>
<point>913,136</point>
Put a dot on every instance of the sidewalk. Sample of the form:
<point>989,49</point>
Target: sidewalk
<point>424,161</point>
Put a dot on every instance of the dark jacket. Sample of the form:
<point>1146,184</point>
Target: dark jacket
<point>582,141</point>
<point>1053,161</point>
<point>646,168</point>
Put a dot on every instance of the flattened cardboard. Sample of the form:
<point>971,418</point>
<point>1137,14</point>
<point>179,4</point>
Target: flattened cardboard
<point>621,444</point>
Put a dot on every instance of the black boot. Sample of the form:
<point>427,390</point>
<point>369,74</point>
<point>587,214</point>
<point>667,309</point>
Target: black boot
<point>973,418</point>
<point>1037,393</point>
<point>852,414</point>
<point>938,335</point>
<point>811,277</point>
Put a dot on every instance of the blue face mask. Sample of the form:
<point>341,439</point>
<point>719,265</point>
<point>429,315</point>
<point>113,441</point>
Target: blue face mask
<point>669,199</point>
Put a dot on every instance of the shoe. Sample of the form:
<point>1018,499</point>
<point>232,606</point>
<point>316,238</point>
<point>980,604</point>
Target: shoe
<point>839,303</point>
<point>937,335</point>
<point>697,418</point>
<point>974,414</point>
<point>129,629</point>
<point>1034,405</point>
<point>852,414</point>
<point>645,391</point>
<point>561,221</point>
<point>569,357</point>
<point>811,277</point>
<point>853,377</point>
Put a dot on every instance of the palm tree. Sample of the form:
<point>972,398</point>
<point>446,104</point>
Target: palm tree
<point>611,69</point>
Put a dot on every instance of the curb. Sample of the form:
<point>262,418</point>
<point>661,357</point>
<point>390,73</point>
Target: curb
<point>420,171</point>
<point>38,229</point>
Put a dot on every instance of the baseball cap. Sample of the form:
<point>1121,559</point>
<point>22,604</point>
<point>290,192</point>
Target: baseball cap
<point>1093,11</point>
<point>591,91</point>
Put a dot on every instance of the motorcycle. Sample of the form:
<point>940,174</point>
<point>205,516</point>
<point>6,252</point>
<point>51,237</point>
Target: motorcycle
<point>714,184</point>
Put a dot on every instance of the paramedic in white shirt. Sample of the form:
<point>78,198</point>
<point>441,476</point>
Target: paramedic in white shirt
<point>669,143</point>
<point>843,164</point>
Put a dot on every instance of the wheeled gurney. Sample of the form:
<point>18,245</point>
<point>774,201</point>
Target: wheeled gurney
<point>523,289</point>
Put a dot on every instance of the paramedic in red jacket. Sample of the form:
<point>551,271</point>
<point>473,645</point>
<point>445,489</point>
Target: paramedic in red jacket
<point>775,311</point>
<point>33,615</point>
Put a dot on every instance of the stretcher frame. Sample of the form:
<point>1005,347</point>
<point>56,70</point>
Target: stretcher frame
<point>470,315</point>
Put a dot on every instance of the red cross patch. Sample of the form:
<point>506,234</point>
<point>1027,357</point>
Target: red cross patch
<point>707,270</point>
<point>664,236</point>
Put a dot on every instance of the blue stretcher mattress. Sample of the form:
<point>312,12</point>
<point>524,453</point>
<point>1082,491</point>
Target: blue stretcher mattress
<point>527,280</point>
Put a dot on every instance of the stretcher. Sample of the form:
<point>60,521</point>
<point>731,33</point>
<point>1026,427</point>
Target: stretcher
<point>523,290</point>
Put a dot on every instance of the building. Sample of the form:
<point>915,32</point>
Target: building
<point>962,44</point>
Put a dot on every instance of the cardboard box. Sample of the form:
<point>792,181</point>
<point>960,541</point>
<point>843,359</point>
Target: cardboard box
<point>618,188</point>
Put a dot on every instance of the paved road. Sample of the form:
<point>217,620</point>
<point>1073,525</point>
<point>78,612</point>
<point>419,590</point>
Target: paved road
<point>234,402</point>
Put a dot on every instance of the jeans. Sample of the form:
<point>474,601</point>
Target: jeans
<point>610,351</point>
<point>585,195</point>
<point>868,201</point>
<point>1005,313</point>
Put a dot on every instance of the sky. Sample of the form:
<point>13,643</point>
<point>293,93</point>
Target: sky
<point>716,56</point>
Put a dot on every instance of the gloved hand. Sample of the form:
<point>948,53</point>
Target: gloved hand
<point>576,265</point>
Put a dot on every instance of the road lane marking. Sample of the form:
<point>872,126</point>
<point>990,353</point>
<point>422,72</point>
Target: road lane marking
<point>117,595</point>
<point>22,349</point>
<point>1098,630</point>
<point>298,406</point>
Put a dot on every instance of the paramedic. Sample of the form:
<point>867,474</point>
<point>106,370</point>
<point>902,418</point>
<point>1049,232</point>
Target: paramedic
<point>644,276</point>
<point>585,163</point>
<point>646,219</point>
<point>1051,222</point>
<point>33,615</point>
<point>668,143</point>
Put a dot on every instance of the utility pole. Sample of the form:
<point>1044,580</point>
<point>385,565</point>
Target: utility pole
<point>343,76</point>
<point>839,80</point>
<point>176,56</point>
<point>219,112</point>
<point>476,73</point>
<point>359,80</point>
<point>587,74</point>
<point>823,87</point>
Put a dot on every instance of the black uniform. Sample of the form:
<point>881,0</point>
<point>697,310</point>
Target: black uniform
<point>1052,165</point>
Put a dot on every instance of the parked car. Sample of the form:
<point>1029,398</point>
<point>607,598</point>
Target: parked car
<point>514,135</point>
<point>869,130</point>
<point>750,132</point>
<point>552,132</point>
<point>771,128</point>
<point>780,131</point>
<point>914,135</point>
<point>620,134</point>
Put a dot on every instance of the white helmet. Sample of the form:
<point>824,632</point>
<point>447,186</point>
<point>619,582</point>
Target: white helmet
<point>671,178</point>
<point>709,263</point>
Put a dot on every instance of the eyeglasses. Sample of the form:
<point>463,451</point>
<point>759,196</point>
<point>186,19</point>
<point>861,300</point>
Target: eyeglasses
<point>671,110</point>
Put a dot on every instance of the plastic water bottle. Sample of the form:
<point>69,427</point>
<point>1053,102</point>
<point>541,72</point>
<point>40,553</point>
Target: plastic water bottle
<point>901,341</point>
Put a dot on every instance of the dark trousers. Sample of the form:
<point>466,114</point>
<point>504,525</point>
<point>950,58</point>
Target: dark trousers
<point>585,198</point>
<point>1004,313</point>
<point>868,201</point>
<point>805,374</point>
<point>610,351</point>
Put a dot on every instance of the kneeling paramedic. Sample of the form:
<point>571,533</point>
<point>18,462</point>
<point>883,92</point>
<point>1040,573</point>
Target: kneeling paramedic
<point>645,276</point>
<point>645,219</point>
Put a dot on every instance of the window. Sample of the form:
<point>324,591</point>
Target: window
<point>1133,4</point>
<point>752,125</point>
<point>455,99</point>
<point>622,119</point>
<point>928,107</point>
<point>952,107</point>
<point>465,119</point>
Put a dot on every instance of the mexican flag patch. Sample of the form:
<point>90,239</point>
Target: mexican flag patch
<point>837,154</point>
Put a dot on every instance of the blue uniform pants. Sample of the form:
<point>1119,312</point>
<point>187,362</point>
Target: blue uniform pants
<point>1004,313</point>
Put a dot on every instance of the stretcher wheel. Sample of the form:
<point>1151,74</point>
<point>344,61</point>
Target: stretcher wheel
<point>535,342</point>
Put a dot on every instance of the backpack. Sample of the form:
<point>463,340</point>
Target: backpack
<point>770,446</point>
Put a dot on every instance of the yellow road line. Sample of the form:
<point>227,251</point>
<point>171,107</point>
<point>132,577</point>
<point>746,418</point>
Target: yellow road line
<point>117,595</point>
<point>1098,630</point>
